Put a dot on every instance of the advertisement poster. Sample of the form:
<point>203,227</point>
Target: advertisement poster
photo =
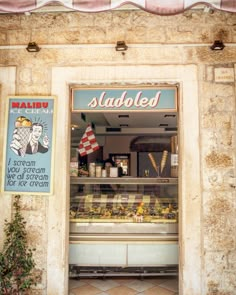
<point>29,142</point>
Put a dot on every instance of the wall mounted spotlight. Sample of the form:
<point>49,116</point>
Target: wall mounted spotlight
<point>33,47</point>
<point>121,46</point>
<point>217,45</point>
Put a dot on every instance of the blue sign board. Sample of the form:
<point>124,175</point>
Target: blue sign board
<point>29,145</point>
<point>125,99</point>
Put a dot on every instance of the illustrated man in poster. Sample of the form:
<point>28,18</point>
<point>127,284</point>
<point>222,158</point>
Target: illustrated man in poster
<point>26,138</point>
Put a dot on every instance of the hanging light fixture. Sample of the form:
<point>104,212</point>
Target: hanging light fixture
<point>33,47</point>
<point>217,45</point>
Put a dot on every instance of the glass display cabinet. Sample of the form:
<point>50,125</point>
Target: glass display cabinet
<point>124,222</point>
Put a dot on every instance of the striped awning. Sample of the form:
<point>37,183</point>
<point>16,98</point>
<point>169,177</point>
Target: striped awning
<point>160,7</point>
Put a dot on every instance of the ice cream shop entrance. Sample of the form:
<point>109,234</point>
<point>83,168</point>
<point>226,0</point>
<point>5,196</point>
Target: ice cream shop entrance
<point>124,181</point>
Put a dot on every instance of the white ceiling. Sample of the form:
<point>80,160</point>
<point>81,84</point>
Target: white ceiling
<point>141,119</point>
<point>130,123</point>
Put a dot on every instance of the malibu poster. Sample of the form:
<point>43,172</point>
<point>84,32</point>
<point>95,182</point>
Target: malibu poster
<point>29,144</point>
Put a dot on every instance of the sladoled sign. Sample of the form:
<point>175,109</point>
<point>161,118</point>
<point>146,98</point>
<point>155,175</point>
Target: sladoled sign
<point>124,99</point>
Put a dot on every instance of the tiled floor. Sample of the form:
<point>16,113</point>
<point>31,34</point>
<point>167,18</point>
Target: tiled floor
<point>124,286</point>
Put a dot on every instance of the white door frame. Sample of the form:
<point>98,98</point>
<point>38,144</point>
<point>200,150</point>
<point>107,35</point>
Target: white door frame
<point>189,165</point>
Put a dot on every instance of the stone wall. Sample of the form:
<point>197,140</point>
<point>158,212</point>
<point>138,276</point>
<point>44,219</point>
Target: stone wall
<point>218,194</point>
<point>79,39</point>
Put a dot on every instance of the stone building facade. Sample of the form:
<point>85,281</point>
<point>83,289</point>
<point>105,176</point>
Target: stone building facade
<point>80,48</point>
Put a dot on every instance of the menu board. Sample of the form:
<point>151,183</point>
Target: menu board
<point>29,144</point>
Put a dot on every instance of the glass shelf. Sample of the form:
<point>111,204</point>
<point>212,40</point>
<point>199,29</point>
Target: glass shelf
<point>124,200</point>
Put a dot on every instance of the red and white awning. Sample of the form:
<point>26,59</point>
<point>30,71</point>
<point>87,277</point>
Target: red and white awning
<point>161,7</point>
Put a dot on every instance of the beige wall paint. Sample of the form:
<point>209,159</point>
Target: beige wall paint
<point>158,52</point>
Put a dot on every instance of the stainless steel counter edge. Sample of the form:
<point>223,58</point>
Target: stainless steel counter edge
<point>123,180</point>
<point>119,238</point>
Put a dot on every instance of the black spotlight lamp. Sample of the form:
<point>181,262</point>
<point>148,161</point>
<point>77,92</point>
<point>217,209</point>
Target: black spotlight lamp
<point>217,45</point>
<point>121,46</point>
<point>33,47</point>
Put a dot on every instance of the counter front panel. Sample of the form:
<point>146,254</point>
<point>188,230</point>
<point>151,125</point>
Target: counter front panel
<point>124,222</point>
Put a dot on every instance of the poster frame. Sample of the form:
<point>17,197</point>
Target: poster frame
<point>30,99</point>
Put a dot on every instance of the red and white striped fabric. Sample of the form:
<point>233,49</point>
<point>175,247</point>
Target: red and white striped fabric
<point>88,143</point>
<point>161,7</point>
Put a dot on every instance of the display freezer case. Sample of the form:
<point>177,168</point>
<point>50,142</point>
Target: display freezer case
<point>125,223</point>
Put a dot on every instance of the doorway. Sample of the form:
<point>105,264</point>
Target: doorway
<point>105,206</point>
<point>188,179</point>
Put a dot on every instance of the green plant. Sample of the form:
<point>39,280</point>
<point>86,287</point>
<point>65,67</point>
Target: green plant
<point>16,258</point>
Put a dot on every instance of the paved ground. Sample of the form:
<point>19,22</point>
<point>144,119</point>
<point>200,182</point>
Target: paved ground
<point>124,286</point>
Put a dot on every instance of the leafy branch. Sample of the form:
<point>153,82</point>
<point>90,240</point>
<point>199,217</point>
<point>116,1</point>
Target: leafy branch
<point>16,258</point>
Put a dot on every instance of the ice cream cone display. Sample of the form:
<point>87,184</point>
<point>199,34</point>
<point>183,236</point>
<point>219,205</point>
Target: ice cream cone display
<point>154,165</point>
<point>163,160</point>
<point>174,156</point>
<point>23,126</point>
<point>174,144</point>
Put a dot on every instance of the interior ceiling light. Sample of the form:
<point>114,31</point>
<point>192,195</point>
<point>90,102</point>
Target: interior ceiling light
<point>123,116</point>
<point>169,116</point>
<point>217,45</point>
<point>33,47</point>
<point>121,46</point>
<point>163,125</point>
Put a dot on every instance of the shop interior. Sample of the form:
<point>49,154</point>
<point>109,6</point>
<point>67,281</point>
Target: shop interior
<point>127,138</point>
<point>124,218</point>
